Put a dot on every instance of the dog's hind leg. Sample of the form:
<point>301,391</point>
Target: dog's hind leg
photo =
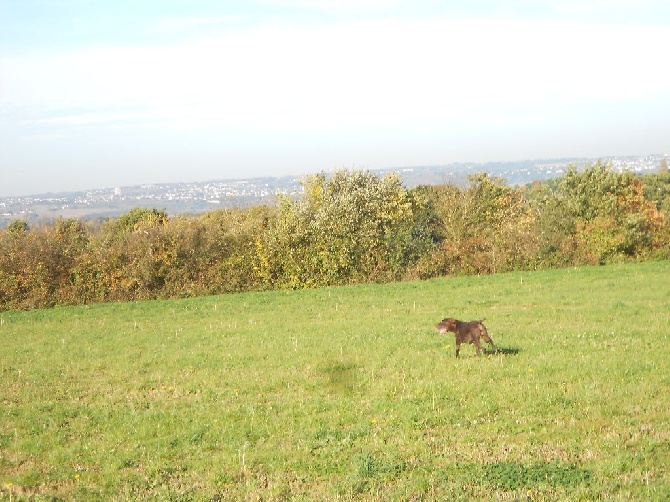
<point>487,338</point>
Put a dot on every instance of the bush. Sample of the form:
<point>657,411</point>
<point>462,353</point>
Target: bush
<point>353,227</point>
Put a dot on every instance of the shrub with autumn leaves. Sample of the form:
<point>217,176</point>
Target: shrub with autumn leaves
<point>350,227</point>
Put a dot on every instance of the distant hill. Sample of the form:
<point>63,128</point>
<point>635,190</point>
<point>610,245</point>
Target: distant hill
<point>198,197</point>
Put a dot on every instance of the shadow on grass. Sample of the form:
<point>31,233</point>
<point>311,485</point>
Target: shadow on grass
<point>342,376</point>
<point>503,351</point>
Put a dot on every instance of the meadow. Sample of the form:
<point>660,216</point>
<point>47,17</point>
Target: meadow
<point>347,393</point>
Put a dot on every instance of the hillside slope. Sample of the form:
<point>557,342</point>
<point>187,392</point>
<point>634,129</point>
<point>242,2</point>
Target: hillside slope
<point>347,392</point>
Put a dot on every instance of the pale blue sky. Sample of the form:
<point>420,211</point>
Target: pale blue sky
<point>100,93</point>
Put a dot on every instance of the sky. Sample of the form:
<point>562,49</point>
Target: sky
<point>97,94</point>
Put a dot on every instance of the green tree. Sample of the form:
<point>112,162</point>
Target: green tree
<point>657,189</point>
<point>353,227</point>
<point>555,225</point>
<point>137,218</point>
<point>18,226</point>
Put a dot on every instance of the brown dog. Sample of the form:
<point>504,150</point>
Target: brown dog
<point>466,332</point>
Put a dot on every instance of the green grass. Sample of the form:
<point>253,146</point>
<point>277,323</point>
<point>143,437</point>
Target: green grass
<point>347,393</point>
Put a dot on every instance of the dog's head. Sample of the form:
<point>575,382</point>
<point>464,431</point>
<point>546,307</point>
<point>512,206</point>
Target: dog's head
<point>446,324</point>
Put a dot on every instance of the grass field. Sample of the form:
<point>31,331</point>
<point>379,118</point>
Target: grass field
<point>347,393</point>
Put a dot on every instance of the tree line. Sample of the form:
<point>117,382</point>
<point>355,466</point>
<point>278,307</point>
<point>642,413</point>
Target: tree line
<point>346,228</point>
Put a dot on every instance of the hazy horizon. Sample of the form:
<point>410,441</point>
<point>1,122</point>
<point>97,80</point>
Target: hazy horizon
<point>98,94</point>
<point>462,169</point>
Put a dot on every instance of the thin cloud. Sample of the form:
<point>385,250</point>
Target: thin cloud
<point>625,10</point>
<point>375,67</point>
<point>43,138</point>
<point>337,6</point>
<point>190,23</point>
<point>173,115</point>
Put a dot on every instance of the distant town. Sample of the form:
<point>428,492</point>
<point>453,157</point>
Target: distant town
<point>198,197</point>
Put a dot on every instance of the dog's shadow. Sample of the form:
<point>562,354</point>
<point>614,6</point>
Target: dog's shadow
<point>503,351</point>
